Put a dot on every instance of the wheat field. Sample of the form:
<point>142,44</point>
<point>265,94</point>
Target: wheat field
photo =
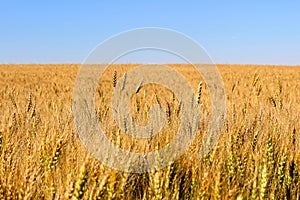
<point>257,155</point>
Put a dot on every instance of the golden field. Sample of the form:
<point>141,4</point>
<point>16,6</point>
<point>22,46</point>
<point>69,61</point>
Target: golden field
<point>257,155</point>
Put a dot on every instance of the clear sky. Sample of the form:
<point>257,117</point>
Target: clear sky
<point>263,32</point>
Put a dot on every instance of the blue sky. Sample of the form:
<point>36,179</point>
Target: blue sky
<point>263,32</point>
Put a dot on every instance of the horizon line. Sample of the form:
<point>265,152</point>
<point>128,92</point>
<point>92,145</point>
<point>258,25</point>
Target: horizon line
<point>70,63</point>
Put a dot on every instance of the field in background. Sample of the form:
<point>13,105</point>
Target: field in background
<point>257,156</point>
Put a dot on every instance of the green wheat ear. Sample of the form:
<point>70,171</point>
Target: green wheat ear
<point>70,187</point>
<point>199,92</point>
<point>81,182</point>
<point>115,79</point>
<point>272,101</point>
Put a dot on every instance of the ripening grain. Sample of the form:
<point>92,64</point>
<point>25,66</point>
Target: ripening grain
<point>257,156</point>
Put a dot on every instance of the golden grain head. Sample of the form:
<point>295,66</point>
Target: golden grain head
<point>257,155</point>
